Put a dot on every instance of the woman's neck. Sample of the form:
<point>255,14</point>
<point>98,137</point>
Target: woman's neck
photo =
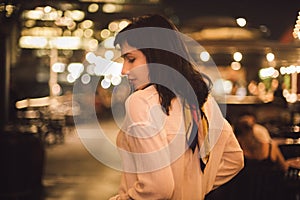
<point>144,86</point>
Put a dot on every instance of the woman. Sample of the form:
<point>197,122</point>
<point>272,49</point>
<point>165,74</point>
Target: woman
<point>257,151</point>
<point>260,132</point>
<point>163,144</point>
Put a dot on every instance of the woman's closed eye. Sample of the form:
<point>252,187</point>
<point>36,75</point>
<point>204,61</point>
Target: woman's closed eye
<point>131,60</point>
<point>128,58</point>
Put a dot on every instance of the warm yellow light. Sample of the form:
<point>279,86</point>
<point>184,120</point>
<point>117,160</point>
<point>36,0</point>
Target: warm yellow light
<point>282,70</point>
<point>64,21</point>
<point>241,22</point>
<point>9,9</point>
<point>29,23</point>
<point>113,26</point>
<point>52,15</point>
<point>36,102</point>
<point>222,86</point>
<point>204,56</point>
<point>42,31</point>
<point>33,14</point>
<point>296,31</point>
<point>56,89</point>
<point>92,8</point>
<point>123,24</point>
<point>58,67</point>
<point>72,26</point>
<point>22,104</point>
<point>33,42</point>
<point>105,33</point>
<point>76,15</point>
<point>86,24</point>
<point>267,72</point>
<point>111,8</point>
<point>92,44</point>
<point>237,56</point>
<point>67,33</point>
<point>235,66</point>
<point>78,33</point>
<point>270,57</point>
<point>47,9</point>
<point>65,43</point>
<point>88,33</point>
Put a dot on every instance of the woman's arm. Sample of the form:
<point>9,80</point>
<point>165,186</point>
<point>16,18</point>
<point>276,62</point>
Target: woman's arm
<point>154,178</point>
<point>226,156</point>
<point>278,157</point>
<point>146,157</point>
<point>232,161</point>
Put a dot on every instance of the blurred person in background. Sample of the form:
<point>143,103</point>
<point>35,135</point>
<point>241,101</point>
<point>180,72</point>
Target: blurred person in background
<point>259,131</point>
<point>262,177</point>
<point>174,142</point>
<point>257,149</point>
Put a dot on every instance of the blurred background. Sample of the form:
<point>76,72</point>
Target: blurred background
<point>53,53</point>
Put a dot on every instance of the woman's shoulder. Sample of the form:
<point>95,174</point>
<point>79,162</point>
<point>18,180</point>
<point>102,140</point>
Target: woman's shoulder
<point>143,96</point>
<point>142,101</point>
<point>142,107</point>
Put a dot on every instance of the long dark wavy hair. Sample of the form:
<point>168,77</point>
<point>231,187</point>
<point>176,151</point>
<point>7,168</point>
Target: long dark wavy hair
<point>173,54</point>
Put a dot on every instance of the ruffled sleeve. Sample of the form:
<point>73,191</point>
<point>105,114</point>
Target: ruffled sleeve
<point>144,150</point>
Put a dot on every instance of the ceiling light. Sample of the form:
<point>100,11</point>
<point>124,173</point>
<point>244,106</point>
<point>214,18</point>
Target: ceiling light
<point>296,32</point>
<point>237,56</point>
<point>204,56</point>
<point>111,8</point>
<point>92,8</point>
<point>241,22</point>
<point>270,57</point>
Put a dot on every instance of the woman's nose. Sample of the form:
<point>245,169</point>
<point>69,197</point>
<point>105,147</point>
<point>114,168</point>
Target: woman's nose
<point>125,69</point>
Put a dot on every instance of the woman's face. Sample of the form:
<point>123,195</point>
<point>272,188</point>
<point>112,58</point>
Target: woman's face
<point>135,66</point>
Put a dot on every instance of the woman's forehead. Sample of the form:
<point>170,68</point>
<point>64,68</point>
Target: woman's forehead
<point>126,48</point>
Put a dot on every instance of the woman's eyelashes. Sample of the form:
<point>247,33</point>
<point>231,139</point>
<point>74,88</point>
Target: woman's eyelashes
<point>131,60</point>
<point>128,58</point>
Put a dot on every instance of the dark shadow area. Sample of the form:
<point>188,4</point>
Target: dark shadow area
<point>258,181</point>
<point>22,166</point>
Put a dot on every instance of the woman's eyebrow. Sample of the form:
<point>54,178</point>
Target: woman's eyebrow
<point>125,55</point>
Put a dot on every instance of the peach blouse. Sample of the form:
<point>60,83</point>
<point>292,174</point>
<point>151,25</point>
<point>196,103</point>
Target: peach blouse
<point>157,163</point>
